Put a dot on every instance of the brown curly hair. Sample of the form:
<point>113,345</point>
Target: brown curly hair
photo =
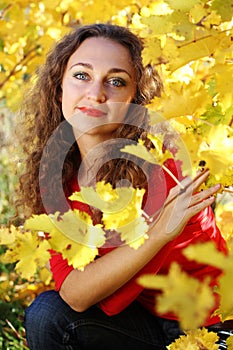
<point>42,116</point>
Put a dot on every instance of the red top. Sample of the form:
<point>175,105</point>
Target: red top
<point>201,228</point>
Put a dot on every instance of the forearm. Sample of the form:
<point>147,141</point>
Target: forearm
<point>110,272</point>
<point>104,276</point>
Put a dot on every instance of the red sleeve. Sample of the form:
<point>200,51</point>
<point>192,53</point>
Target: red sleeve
<point>200,228</point>
<point>60,268</point>
<point>159,186</point>
<point>119,300</point>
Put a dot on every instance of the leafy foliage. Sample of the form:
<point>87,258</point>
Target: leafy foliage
<point>195,340</point>
<point>190,42</point>
<point>183,295</point>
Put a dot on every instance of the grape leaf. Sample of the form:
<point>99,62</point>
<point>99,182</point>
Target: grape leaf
<point>190,299</point>
<point>197,339</point>
<point>207,253</point>
<point>7,236</point>
<point>225,11</point>
<point>30,252</point>
<point>71,234</point>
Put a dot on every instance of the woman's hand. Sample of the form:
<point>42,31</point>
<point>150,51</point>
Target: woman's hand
<point>106,275</point>
<point>183,203</point>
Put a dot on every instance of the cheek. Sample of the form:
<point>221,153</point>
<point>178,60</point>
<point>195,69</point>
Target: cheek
<point>65,105</point>
<point>118,111</point>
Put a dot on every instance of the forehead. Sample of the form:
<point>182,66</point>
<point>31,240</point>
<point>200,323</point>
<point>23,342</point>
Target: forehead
<point>103,51</point>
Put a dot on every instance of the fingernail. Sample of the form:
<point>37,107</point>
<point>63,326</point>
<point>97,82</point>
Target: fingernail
<point>217,186</point>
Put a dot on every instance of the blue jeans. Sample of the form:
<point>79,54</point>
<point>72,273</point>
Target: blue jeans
<point>52,325</point>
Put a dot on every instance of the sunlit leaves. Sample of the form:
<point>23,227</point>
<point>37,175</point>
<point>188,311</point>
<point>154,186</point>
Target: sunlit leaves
<point>7,236</point>
<point>197,339</point>
<point>224,218</point>
<point>188,298</point>
<point>229,343</point>
<point>208,254</point>
<point>29,250</point>
<point>182,6</point>
<point>224,81</point>
<point>225,11</point>
<point>191,44</point>
<point>211,147</point>
<point>213,150</point>
<point>71,234</point>
<point>121,210</point>
<point>155,155</point>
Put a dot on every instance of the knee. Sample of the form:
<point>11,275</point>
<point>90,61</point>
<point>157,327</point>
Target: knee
<point>40,314</point>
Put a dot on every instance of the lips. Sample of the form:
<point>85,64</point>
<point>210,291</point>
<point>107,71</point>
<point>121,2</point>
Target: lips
<point>92,112</point>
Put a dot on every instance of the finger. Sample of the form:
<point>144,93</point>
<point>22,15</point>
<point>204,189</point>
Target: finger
<point>195,209</point>
<point>200,178</point>
<point>204,194</point>
<point>189,186</point>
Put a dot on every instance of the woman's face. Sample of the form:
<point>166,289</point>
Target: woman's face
<point>98,84</point>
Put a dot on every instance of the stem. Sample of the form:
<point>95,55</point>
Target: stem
<point>173,176</point>
<point>203,121</point>
<point>227,190</point>
<point>21,61</point>
<point>13,329</point>
<point>4,11</point>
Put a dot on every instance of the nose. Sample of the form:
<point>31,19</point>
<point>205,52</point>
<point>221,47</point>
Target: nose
<point>96,92</point>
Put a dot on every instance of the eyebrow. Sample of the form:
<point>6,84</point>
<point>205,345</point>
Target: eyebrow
<point>112,70</point>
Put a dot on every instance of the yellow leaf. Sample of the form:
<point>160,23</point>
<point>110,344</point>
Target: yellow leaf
<point>30,251</point>
<point>225,11</point>
<point>198,339</point>
<point>223,74</point>
<point>155,155</point>
<point>206,253</point>
<point>71,234</point>
<point>7,235</point>
<point>42,222</point>
<point>198,12</point>
<point>75,225</point>
<point>224,219</point>
<point>225,284</point>
<point>152,51</point>
<point>78,227</point>
<point>185,296</point>
<point>140,151</point>
<point>181,5</point>
<point>158,24</point>
<point>213,151</point>
<point>194,50</point>
<point>229,342</point>
<point>78,255</point>
<point>184,100</point>
<point>134,233</point>
<point>188,147</point>
<point>104,197</point>
<point>121,208</point>
<point>114,220</point>
<point>45,276</point>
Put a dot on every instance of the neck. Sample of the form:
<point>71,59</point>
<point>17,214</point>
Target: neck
<point>93,151</point>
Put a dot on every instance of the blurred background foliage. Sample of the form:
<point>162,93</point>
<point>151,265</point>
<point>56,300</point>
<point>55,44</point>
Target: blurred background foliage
<point>191,43</point>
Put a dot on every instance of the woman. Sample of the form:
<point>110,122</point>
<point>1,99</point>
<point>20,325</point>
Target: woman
<point>85,97</point>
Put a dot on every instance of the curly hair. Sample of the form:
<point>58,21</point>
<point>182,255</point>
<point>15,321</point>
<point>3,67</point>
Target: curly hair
<point>42,115</point>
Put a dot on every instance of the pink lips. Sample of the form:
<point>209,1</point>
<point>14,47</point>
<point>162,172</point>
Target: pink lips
<point>93,112</point>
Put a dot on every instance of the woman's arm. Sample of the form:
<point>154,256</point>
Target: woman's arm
<point>104,276</point>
